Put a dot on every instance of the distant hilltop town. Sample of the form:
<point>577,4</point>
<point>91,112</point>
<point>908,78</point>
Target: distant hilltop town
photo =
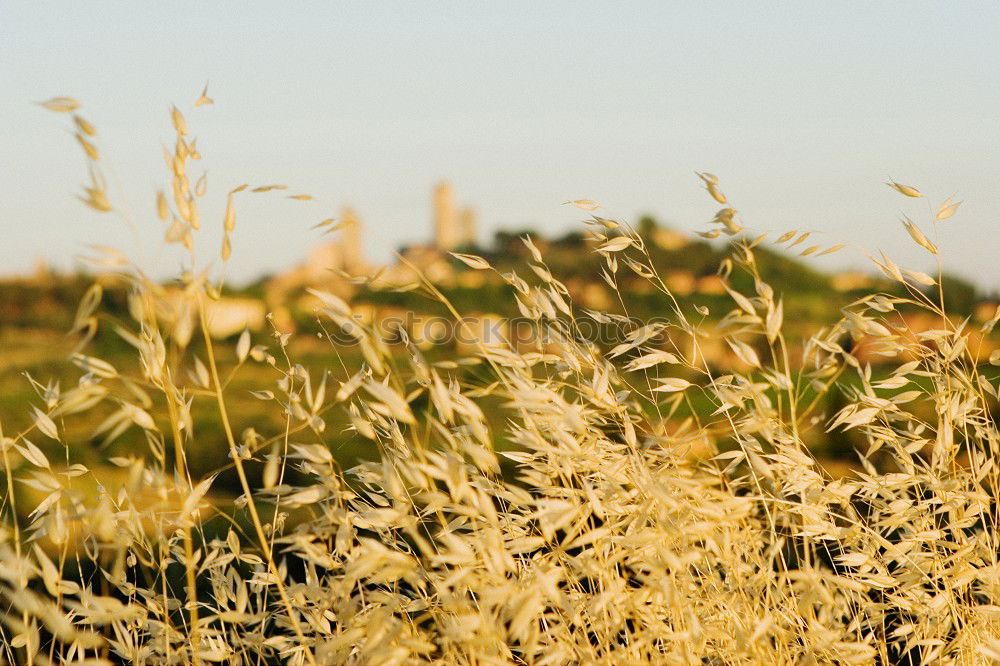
<point>454,229</point>
<point>339,266</point>
<point>332,265</point>
<point>687,266</point>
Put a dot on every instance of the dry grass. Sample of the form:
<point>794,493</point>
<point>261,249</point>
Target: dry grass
<point>611,546</point>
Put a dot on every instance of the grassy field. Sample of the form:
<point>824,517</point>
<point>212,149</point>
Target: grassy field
<point>666,497</point>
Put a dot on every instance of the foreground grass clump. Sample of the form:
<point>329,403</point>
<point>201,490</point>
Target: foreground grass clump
<point>607,543</point>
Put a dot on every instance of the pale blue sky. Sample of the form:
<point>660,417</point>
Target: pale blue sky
<point>803,109</point>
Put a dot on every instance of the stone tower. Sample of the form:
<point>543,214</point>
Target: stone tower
<point>352,244</point>
<point>468,224</point>
<point>346,254</point>
<point>447,235</point>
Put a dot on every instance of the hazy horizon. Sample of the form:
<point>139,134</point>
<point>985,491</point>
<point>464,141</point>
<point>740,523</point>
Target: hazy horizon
<point>802,111</point>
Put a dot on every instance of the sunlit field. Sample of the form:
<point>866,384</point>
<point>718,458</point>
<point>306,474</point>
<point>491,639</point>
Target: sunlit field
<point>624,465</point>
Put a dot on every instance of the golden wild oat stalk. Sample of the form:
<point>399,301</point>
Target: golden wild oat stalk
<point>606,545</point>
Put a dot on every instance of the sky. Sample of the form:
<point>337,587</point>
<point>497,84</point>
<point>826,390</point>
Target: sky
<point>802,109</point>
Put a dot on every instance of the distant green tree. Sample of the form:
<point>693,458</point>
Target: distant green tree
<point>509,242</point>
<point>647,225</point>
<point>960,295</point>
<point>572,240</point>
<point>789,274</point>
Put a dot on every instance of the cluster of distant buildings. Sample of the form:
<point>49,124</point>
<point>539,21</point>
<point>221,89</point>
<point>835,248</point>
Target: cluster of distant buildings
<point>332,265</point>
<point>454,228</point>
<point>338,266</point>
